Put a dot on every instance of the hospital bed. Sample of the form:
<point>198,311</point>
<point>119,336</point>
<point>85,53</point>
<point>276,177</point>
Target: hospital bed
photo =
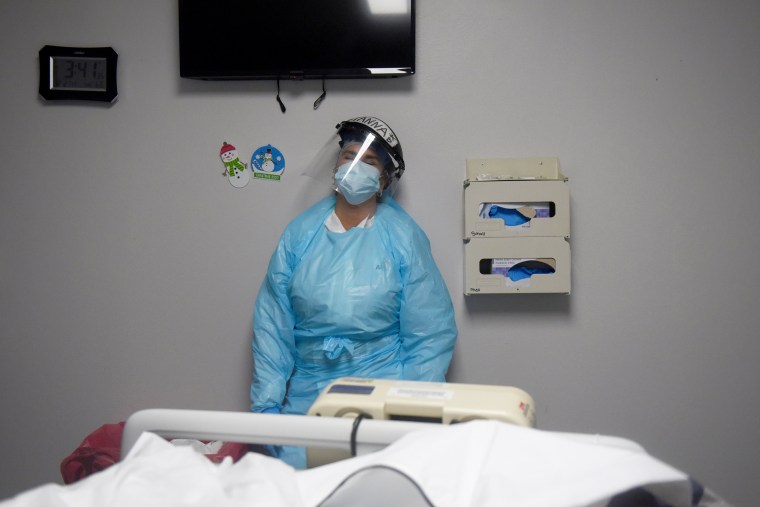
<point>385,461</point>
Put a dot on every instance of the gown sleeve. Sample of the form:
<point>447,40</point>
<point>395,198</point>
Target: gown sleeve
<point>427,325</point>
<point>274,349</point>
<point>273,339</point>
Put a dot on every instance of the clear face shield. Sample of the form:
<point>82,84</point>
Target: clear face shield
<point>350,153</point>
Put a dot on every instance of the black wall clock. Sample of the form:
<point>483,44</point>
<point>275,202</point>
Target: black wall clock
<point>72,73</point>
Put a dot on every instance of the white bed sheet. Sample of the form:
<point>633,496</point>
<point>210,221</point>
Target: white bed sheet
<point>479,463</point>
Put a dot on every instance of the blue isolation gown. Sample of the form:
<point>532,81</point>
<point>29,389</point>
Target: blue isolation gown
<point>368,302</point>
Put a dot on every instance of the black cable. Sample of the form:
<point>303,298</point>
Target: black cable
<point>282,106</point>
<point>321,97</point>
<point>355,429</point>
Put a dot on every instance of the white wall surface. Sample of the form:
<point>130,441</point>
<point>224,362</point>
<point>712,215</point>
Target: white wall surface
<point>129,266</point>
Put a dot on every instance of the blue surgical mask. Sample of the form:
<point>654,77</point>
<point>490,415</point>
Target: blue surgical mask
<point>357,181</point>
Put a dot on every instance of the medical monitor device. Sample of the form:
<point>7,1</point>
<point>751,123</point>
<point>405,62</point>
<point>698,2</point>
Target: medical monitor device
<point>426,402</point>
<point>296,39</point>
<point>438,402</point>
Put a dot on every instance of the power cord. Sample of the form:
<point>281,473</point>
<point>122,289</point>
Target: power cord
<point>355,429</point>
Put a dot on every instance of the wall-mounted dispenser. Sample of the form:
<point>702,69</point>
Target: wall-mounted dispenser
<point>516,226</point>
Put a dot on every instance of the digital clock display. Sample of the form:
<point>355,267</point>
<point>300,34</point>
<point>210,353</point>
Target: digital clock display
<point>78,73</point>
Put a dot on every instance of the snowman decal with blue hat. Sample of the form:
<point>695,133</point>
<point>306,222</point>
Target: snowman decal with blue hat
<point>236,171</point>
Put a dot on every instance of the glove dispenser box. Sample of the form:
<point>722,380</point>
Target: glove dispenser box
<point>517,265</point>
<point>516,226</point>
<point>504,209</point>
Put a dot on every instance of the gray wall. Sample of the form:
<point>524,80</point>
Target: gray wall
<point>129,266</point>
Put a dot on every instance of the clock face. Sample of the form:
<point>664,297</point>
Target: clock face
<point>69,73</point>
<point>78,73</point>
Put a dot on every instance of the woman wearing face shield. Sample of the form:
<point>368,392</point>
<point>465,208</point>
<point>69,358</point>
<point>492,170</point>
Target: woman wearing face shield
<point>352,289</point>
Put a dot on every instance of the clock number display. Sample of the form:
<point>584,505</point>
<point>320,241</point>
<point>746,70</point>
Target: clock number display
<point>78,73</point>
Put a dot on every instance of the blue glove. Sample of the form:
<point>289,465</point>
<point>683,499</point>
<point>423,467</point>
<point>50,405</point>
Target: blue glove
<point>526,269</point>
<point>510,216</point>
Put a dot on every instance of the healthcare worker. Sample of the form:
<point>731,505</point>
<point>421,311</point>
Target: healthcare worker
<point>352,289</point>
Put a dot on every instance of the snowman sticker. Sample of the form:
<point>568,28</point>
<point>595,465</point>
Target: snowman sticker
<point>267,163</point>
<point>236,172</point>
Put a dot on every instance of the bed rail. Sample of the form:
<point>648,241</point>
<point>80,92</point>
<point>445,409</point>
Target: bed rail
<point>272,429</point>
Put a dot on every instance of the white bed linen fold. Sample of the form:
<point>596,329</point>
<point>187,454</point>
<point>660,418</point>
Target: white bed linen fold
<point>157,473</point>
<point>484,463</point>
<point>479,463</point>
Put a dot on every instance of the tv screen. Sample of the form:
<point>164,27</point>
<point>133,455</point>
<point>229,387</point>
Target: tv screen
<point>296,39</point>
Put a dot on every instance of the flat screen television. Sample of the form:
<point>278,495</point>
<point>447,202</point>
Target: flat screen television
<point>296,39</point>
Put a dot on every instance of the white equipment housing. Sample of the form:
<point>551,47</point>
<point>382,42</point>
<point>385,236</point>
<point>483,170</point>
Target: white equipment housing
<point>428,402</point>
<point>439,402</point>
